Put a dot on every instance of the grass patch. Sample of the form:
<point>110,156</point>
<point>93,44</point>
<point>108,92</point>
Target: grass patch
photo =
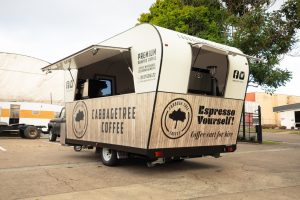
<point>294,132</point>
<point>270,142</point>
<point>297,132</point>
<point>274,130</point>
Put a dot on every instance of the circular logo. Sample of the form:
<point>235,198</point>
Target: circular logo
<point>176,118</point>
<point>80,119</point>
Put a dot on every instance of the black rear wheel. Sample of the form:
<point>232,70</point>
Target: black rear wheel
<point>52,136</point>
<point>109,157</point>
<point>31,132</point>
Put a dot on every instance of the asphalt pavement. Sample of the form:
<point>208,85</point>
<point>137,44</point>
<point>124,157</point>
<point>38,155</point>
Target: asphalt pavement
<point>39,169</point>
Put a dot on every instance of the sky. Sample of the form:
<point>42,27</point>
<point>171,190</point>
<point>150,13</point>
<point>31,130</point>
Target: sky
<point>53,29</point>
<point>291,62</point>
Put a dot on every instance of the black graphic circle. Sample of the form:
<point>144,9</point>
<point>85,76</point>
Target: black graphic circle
<point>80,119</point>
<point>176,118</point>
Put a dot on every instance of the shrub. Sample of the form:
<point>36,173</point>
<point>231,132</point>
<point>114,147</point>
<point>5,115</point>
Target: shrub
<point>269,126</point>
<point>282,127</point>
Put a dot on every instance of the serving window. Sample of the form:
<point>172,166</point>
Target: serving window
<point>208,73</point>
<point>108,77</point>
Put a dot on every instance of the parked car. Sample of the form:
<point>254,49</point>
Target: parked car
<point>54,125</point>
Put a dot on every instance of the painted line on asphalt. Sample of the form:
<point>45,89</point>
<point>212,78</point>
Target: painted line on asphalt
<point>2,149</point>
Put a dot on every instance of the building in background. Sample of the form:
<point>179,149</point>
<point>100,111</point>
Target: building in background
<point>289,115</point>
<point>28,95</point>
<point>22,80</point>
<point>268,101</point>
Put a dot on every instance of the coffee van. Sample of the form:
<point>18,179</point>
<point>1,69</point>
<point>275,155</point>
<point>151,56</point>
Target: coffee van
<point>154,92</point>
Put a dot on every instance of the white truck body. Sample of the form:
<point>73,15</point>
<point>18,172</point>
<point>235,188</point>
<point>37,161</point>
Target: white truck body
<point>162,91</point>
<point>36,114</point>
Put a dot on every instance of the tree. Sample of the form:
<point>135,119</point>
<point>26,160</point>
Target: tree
<point>177,116</point>
<point>247,25</point>
<point>79,117</point>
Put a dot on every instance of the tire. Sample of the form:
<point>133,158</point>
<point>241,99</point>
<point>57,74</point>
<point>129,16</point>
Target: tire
<point>109,157</point>
<point>52,136</point>
<point>31,132</point>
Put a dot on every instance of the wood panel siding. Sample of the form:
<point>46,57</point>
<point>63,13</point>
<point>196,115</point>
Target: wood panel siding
<point>179,120</point>
<point>191,120</point>
<point>121,120</point>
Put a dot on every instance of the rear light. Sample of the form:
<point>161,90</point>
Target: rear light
<point>159,154</point>
<point>229,149</point>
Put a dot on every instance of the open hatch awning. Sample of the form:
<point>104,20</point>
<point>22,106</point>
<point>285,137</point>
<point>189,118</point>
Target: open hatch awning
<point>222,51</point>
<point>87,56</point>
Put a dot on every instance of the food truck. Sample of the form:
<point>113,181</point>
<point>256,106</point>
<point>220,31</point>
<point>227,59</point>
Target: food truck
<point>154,92</point>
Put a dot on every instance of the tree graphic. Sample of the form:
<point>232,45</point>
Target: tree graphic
<point>79,117</point>
<point>177,116</point>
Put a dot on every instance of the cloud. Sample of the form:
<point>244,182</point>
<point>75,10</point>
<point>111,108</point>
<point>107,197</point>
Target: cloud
<point>51,30</point>
<point>54,29</point>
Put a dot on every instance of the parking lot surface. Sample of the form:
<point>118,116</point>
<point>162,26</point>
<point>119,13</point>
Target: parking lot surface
<point>39,169</point>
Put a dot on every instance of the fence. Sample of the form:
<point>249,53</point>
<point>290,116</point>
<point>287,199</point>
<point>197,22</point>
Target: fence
<point>250,126</point>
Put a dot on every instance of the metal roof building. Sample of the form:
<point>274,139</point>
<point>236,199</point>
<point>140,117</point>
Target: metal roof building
<point>295,106</point>
<point>22,80</point>
<point>289,115</point>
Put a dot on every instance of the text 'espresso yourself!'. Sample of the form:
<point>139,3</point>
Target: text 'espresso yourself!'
<point>112,119</point>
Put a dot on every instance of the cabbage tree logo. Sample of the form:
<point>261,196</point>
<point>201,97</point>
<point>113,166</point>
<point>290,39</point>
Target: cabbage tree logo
<point>176,118</point>
<point>80,119</point>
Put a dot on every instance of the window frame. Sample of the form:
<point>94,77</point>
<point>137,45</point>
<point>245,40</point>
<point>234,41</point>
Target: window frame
<point>107,77</point>
<point>213,50</point>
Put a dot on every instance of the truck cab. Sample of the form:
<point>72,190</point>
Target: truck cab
<point>54,126</point>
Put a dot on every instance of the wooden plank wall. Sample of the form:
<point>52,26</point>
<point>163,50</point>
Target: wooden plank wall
<point>121,120</point>
<point>179,120</point>
<point>191,120</point>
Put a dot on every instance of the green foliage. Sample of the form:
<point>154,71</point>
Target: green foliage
<point>201,21</point>
<point>271,142</point>
<point>244,24</point>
